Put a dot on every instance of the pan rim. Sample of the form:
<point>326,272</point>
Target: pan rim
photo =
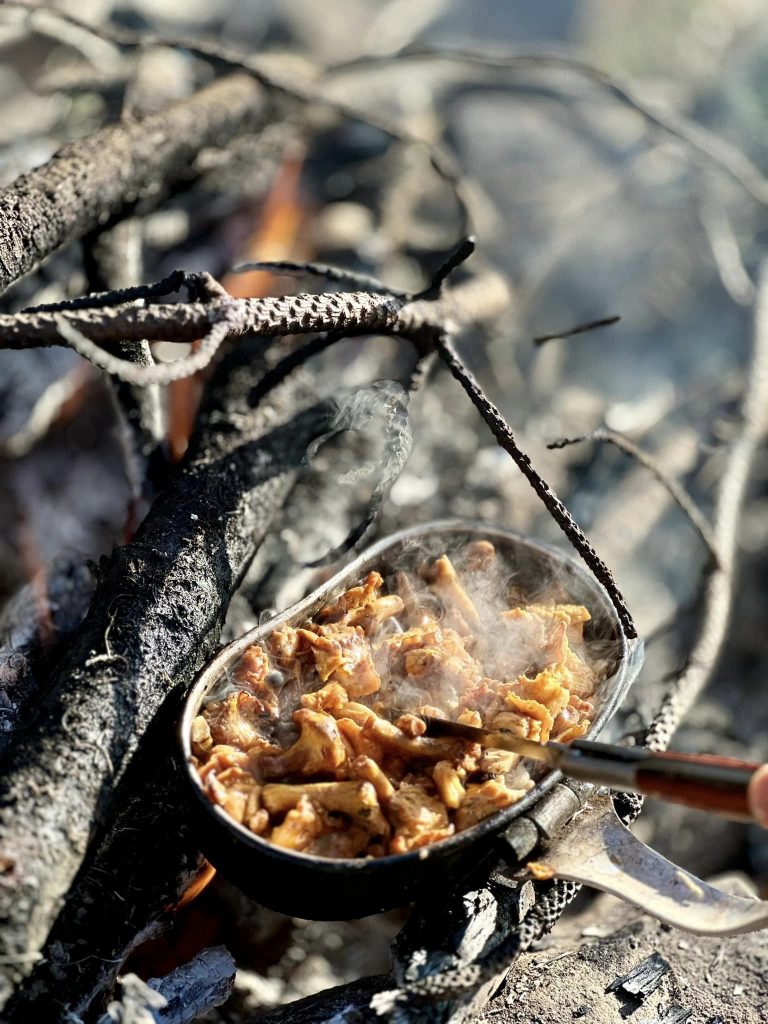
<point>629,658</point>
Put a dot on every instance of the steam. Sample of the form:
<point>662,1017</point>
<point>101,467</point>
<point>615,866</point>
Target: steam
<point>455,592</point>
<point>386,401</point>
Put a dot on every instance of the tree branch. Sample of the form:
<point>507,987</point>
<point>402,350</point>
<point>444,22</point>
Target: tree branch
<point>695,137</point>
<point>114,259</point>
<point>503,434</point>
<point>93,178</point>
<point>718,590</point>
<point>674,489</point>
<point>308,93</point>
<point>569,332</point>
<point>189,321</point>
<point>181,996</point>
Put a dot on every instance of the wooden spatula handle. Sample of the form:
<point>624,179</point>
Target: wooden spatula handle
<point>717,784</point>
<point>704,781</point>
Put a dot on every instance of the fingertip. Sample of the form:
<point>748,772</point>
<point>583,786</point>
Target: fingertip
<point>757,794</point>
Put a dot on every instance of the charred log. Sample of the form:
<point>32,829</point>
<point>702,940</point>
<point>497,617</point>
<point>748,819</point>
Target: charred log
<point>182,995</point>
<point>32,628</point>
<point>155,617</point>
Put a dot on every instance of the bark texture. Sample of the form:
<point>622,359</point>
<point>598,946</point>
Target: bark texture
<point>125,893</point>
<point>189,321</point>
<point>88,181</point>
<point>32,628</point>
<point>155,617</point>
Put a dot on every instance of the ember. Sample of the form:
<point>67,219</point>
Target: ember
<point>353,783</point>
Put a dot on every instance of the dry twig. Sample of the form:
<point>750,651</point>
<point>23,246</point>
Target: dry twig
<point>578,329</point>
<point>697,139</point>
<point>675,489</point>
<point>731,491</point>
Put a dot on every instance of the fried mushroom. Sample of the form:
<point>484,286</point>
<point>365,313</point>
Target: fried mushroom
<point>418,816</point>
<point>484,799</point>
<point>319,748</point>
<point>356,784</point>
<point>449,784</point>
<point>356,799</point>
<point>460,611</point>
<point>343,655</point>
<point>238,720</point>
<point>363,606</point>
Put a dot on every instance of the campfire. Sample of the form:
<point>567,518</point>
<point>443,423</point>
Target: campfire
<point>263,334</point>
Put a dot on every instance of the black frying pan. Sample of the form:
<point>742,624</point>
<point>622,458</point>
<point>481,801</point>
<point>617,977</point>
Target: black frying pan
<point>332,889</point>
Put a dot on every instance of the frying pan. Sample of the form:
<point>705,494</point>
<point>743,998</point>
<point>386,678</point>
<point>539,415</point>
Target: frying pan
<point>327,889</point>
<point>301,885</point>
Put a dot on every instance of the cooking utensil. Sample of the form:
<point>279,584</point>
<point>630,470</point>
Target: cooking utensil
<point>330,889</point>
<point>315,887</point>
<point>703,781</point>
<point>598,850</point>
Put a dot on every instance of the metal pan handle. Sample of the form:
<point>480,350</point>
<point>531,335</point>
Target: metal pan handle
<point>599,851</point>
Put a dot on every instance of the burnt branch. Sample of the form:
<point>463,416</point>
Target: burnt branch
<point>505,437</point>
<point>176,280</point>
<point>296,358</point>
<point>89,329</point>
<point>94,178</point>
<point>460,255</point>
<point>114,259</point>
<point>293,269</point>
<point>154,618</point>
<point>126,892</point>
<point>181,996</point>
<point>410,1001</point>
<point>674,488</point>
<point>188,321</point>
<point>226,58</point>
<point>592,325</point>
<point>137,372</point>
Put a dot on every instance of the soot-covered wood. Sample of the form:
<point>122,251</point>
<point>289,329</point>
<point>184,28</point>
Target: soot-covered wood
<point>33,627</point>
<point>154,618</point>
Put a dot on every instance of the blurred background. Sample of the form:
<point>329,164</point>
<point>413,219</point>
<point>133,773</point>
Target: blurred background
<point>590,208</point>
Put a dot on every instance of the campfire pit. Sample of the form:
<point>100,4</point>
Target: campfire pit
<point>98,850</point>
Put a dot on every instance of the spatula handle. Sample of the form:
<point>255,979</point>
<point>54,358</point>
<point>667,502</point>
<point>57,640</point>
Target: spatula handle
<point>717,784</point>
<point>703,781</point>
